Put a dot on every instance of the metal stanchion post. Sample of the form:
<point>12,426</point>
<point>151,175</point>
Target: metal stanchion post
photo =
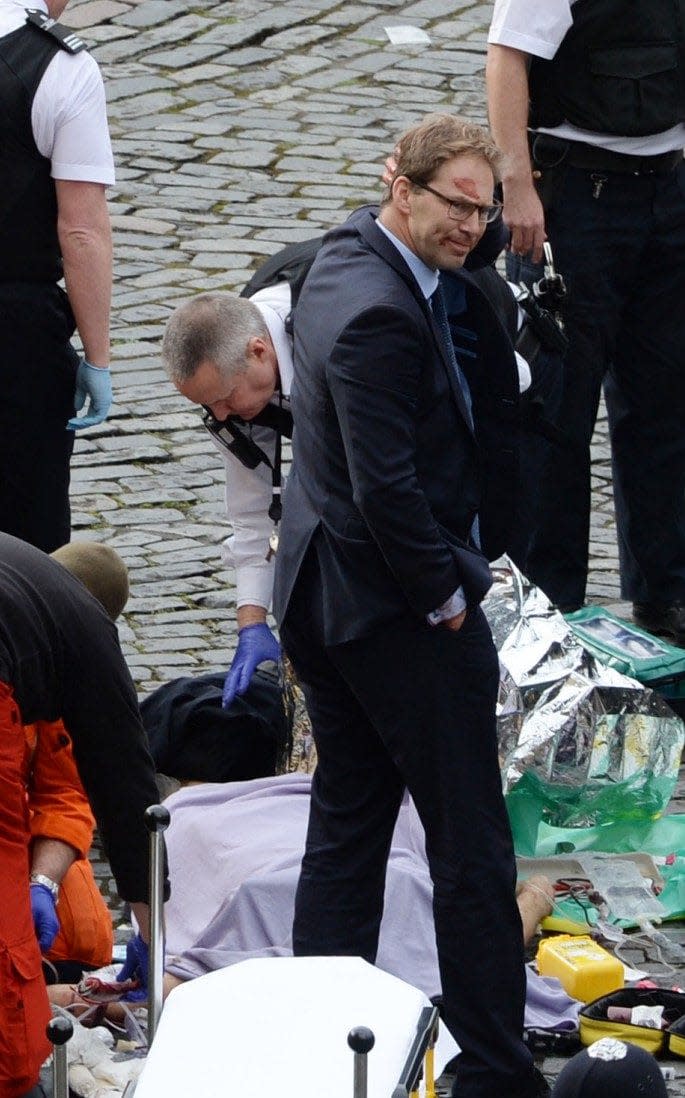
<point>59,1031</point>
<point>156,820</point>
<point>431,1092</point>
<point>361,1040</point>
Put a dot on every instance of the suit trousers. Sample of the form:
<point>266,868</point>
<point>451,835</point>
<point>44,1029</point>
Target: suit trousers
<point>412,706</point>
<point>619,241</point>
<point>37,371</point>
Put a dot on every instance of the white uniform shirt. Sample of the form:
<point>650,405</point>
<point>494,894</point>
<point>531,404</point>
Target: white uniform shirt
<point>538,27</point>
<point>69,115</point>
<point>249,491</point>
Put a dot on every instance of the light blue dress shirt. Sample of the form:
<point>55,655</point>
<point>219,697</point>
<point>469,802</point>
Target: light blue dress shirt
<point>427,279</point>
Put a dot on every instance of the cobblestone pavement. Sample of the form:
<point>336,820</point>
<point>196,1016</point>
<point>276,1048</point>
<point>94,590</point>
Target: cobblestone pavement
<point>239,127</point>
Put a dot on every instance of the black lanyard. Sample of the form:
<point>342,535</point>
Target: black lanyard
<point>231,434</point>
<point>276,508</point>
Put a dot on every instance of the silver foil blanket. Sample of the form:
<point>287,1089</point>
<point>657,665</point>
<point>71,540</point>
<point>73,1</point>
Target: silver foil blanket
<point>561,713</point>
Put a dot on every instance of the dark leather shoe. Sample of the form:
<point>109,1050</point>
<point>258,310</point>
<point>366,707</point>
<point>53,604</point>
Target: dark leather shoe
<point>540,1084</point>
<point>666,621</point>
<point>537,1087</point>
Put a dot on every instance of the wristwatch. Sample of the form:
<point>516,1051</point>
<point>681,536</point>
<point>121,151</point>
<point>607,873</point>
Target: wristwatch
<point>47,882</point>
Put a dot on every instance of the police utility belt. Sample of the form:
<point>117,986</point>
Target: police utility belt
<point>549,152</point>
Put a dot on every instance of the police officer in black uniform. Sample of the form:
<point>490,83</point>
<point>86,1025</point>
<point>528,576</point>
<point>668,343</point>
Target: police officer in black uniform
<point>55,161</point>
<point>587,98</point>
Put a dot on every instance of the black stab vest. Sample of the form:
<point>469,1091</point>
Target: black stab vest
<point>619,70</point>
<point>29,248</point>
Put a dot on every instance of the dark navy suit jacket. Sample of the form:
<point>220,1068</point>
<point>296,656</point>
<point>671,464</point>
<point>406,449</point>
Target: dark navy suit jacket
<point>387,473</point>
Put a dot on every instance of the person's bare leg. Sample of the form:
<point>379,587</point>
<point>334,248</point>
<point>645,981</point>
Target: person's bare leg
<point>170,982</point>
<point>535,899</point>
<point>66,995</point>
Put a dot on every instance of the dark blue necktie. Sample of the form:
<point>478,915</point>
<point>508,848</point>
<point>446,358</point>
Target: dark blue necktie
<point>437,301</point>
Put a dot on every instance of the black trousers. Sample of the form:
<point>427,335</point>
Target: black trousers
<point>37,374</point>
<point>414,706</point>
<point>619,241</point>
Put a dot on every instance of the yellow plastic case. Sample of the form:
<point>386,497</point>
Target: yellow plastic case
<point>675,1038</point>
<point>558,924</point>
<point>583,967</point>
<point>594,1024</point>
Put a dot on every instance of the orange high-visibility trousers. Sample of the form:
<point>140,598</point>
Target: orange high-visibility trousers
<point>24,1008</point>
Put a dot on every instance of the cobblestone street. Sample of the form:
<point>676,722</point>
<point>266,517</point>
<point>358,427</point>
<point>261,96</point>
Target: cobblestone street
<point>238,127</point>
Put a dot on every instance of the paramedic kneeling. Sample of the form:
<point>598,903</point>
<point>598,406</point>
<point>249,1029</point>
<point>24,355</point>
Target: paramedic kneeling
<point>60,656</point>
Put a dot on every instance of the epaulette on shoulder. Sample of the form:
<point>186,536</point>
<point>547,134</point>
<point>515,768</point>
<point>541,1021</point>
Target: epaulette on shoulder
<point>66,38</point>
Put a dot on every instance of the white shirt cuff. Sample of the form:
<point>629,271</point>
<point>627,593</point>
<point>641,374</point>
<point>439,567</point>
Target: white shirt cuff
<point>454,605</point>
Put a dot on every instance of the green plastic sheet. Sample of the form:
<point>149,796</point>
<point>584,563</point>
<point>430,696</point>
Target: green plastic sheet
<point>543,815</point>
<point>542,824</point>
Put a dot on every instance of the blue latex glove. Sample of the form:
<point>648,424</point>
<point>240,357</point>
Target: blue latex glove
<point>256,643</point>
<point>95,383</point>
<point>45,918</point>
<point>136,968</point>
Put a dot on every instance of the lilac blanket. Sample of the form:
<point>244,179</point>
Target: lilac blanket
<point>234,856</point>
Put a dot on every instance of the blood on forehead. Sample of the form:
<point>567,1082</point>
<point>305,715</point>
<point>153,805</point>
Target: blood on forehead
<point>466,185</point>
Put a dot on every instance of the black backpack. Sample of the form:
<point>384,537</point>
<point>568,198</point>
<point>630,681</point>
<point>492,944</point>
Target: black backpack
<point>291,264</point>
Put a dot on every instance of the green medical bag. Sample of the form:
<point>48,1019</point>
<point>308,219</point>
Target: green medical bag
<point>632,651</point>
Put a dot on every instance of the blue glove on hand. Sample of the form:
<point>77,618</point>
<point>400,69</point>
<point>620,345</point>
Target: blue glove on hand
<point>94,382</point>
<point>45,918</point>
<point>256,643</point>
<point>135,968</point>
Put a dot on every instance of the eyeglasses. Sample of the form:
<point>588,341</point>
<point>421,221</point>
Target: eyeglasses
<point>460,209</point>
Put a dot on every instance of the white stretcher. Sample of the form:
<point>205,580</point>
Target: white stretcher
<point>298,1027</point>
<point>280,1025</point>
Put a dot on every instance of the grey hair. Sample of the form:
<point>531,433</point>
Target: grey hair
<point>217,327</point>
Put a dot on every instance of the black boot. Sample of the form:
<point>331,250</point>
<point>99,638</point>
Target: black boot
<point>668,621</point>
